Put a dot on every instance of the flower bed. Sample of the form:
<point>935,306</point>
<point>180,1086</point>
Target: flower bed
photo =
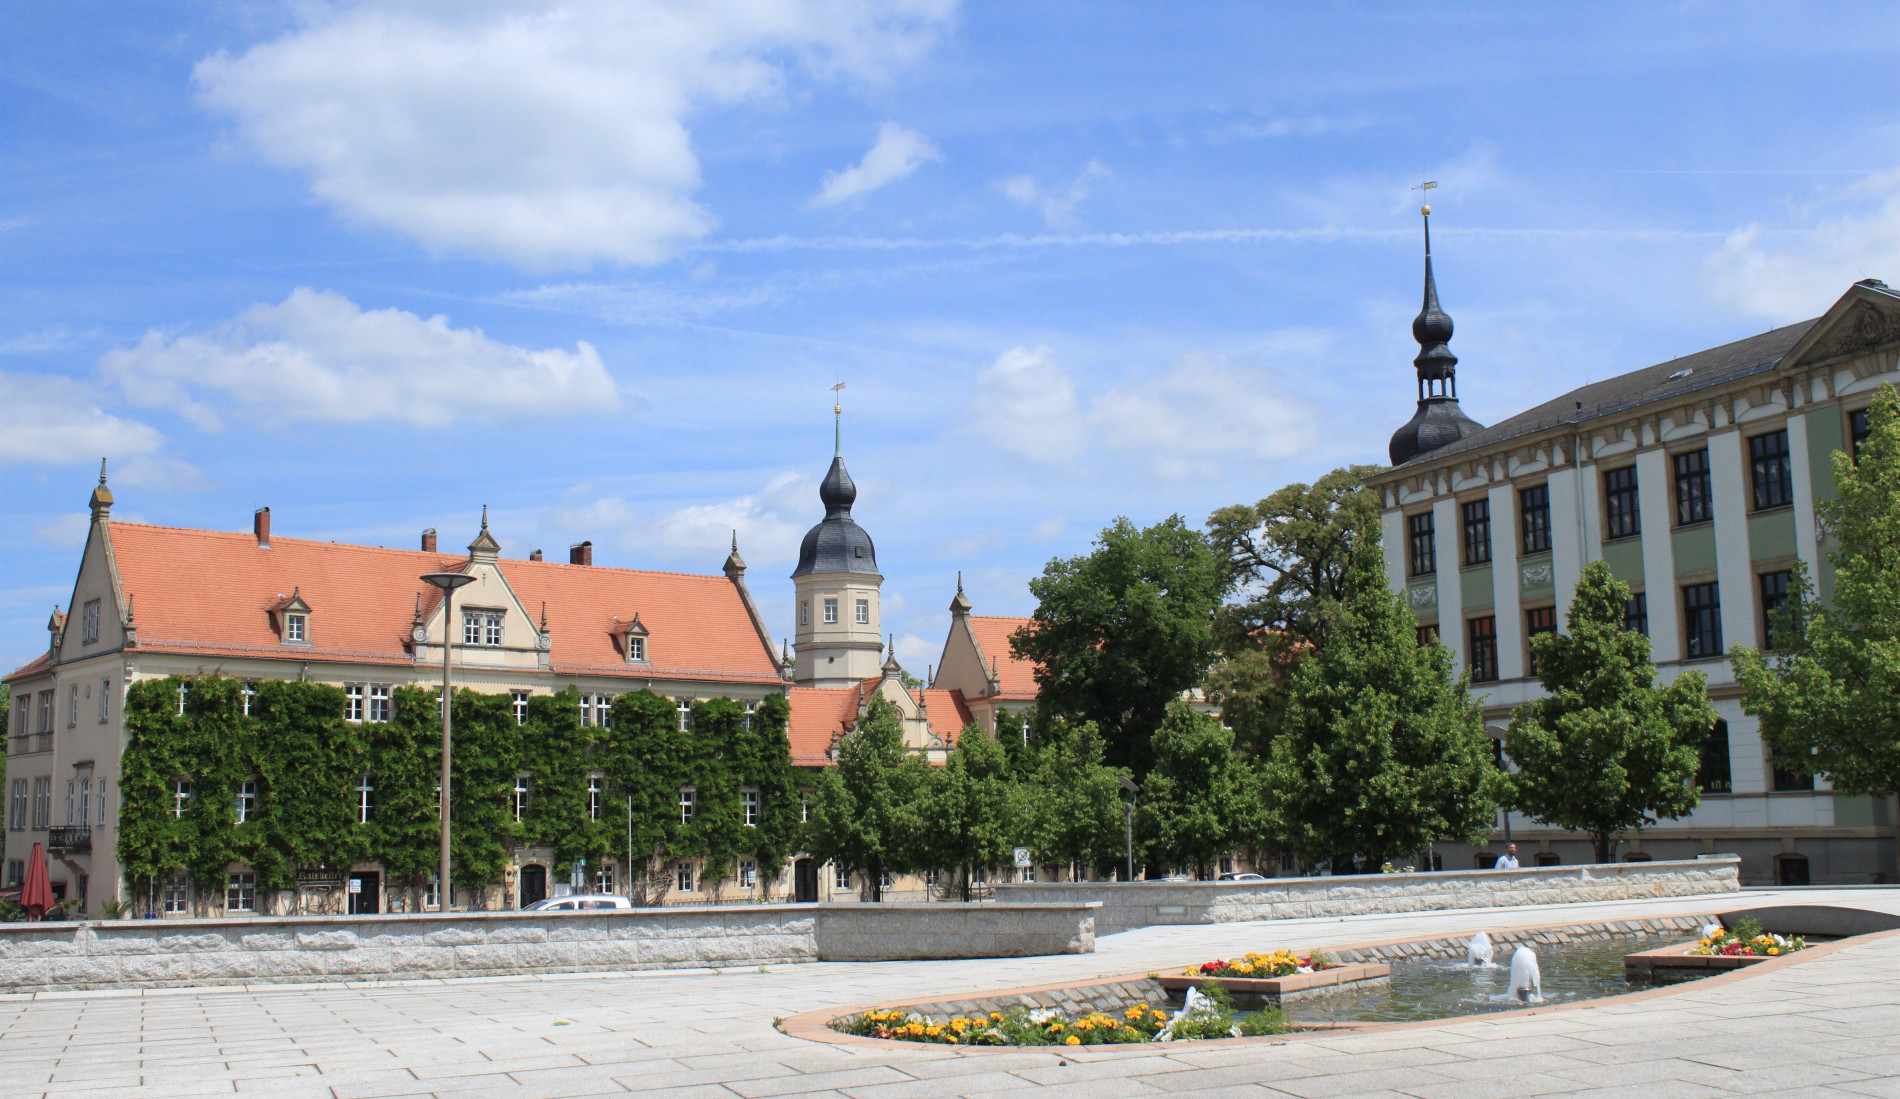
<point>1746,940</point>
<point>1051,1027</point>
<point>1280,963</point>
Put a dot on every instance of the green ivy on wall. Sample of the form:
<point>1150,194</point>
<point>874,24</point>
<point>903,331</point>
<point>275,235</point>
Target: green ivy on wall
<point>307,762</point>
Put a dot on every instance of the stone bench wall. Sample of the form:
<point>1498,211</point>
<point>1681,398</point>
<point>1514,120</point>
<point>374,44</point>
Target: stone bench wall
<point>1127,905</point>
<point>272,950</point>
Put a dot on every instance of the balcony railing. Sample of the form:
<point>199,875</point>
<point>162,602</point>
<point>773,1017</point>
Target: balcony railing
<point>69,838</point>
<point>30,743</point>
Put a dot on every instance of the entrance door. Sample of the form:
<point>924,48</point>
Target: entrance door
<point>534,884</point>
<point>805,882</point>
<point>365,893</point>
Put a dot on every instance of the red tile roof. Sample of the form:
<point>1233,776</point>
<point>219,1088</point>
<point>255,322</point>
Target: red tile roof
<point>819,716</point>
<point>1018,677</point>
<point>948,714</point>
<point>38,664</point>
<point>199,591</point>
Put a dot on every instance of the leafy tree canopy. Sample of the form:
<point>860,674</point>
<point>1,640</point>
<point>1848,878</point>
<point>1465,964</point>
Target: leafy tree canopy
<point>1120,633</point>
<point>1605,749</point>
<point>1382,751</point>
<point>1286,559</point>
<point>969,812</point>
<point>1829,701</point>
<point>862,809</point>
<point>1193,800</point>
<point>1074,800</point>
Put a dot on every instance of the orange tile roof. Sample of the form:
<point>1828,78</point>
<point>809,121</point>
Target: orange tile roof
<point>35,666</point>
<point>820,715</point>
<point>200,591</point>
<point>948,714</point>
<point>1017,677</point>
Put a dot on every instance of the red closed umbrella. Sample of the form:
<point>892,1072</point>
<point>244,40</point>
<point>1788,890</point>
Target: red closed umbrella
<point>36,896</point>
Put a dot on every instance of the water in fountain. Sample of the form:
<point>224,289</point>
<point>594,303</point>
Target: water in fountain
<point>1527,983</point>
<point>1478,950</point>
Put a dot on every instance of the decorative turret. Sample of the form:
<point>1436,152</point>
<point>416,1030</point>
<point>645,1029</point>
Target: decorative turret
<point>960,603</point>
<point>484,547</point>
<point>837,584</point>
<point>101,501</point>
<point>1439,420</point>
<point>735,564</point>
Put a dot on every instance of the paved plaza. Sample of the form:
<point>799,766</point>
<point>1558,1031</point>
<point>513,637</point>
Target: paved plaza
<point>1829,1026</point>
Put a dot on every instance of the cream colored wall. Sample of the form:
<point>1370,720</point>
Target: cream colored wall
<point>842,653</point>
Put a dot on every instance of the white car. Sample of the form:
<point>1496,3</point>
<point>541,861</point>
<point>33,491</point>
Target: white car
<point>581,902</point>
<point>1241,877</point>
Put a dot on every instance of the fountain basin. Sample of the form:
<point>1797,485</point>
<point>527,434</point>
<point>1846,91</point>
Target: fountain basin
<point>1253,993</point>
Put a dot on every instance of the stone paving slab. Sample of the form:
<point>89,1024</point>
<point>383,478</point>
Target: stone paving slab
<point>1822,1027</point>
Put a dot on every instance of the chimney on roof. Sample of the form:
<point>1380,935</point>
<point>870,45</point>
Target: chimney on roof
<point>260,526</point>
<point>580,553</point>
<point>428,540</point>
<point>535,556</point>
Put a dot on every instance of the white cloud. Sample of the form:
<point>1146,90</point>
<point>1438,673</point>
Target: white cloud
<point>1801,274</point>
<point>1056,203</point>
<point>55,419</point>
<point>318,356</point>
<point>898,153</point>
<point>546,133</point>
<point>769,523</point>
<point>1026,404</point>
<point>67,531</point>
<point>159,472</point>
<point>916,653</point>
<point>1198,416</point>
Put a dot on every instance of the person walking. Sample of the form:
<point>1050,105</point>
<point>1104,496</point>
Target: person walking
<point>1508,860</point>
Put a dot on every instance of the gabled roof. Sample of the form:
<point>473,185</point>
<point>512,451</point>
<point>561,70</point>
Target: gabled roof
<point>948,714</point>
<point>820,715</point>
<point>35,666</point>
<point>209,592</point>
<point>1017,677</point>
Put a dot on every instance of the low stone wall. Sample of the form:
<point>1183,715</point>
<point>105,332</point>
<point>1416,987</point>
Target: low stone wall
<point>880,932</point>
<point>171,953</point>
<point>1075,1000</point>
<point>1127,905</point>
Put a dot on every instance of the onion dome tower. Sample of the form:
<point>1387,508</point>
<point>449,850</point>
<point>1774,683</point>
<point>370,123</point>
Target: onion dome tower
<point>1439,420</point>
<point>839,636</point>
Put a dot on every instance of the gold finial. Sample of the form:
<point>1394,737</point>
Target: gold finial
<point>1426,210</point>
<point>1428,185</point>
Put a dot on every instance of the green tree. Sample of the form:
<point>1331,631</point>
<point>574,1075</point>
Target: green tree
<point>1286,559</point>
<point>1829,700</point>
<point>1119,634</point>
<point>1073,801</point>
<point>1382,752</point>
<point>862,807</point>
<point>969,812</point>
<point>1605,749</point>
<point>1191,802</point>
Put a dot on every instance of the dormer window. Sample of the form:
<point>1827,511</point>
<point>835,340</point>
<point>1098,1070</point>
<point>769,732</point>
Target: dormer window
<point>637,650</point>
<point>293,618</point>
<point>633,639</point>
<point>296,627</point>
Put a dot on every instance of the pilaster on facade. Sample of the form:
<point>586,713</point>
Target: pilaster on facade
<point>1506,581</point>
<point>1653,480</point>
<point>1728,477</point>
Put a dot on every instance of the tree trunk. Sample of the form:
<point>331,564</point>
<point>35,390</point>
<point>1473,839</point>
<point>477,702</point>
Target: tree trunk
<point>968,873</point>
<point>1602,841</point>
<point>877,882</point>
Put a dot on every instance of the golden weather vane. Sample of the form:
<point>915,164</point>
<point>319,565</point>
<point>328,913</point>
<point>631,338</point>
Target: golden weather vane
<point>1428,185</point>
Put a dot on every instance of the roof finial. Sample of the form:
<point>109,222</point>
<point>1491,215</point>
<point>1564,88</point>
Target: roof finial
<point>484,516</point>
<point>837,423</point>
<point>959,581</point>
<point>102,471</point>
<point>735,539</point>
<point>544,616</point>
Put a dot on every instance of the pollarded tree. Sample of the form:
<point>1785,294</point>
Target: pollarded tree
<point>1119,634</point>
<point>969,812</point>
<point>1829,700</point>
<point>1191,806</point>
<point>1381,752</point>
<point>1605,750</point>
<point>862,808</point>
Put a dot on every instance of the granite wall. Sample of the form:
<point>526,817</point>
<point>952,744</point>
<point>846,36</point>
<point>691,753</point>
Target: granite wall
<point>1128,905</point>
<point>267,950</point>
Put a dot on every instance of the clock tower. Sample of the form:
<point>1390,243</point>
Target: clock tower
<point>838,639</point>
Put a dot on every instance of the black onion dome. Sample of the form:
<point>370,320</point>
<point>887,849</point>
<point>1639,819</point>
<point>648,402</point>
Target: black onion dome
<point>1432,329</point>
<point>1438,422</point>
<point>837,543</point>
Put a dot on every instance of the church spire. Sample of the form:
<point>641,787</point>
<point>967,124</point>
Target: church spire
<point>1438,421</point>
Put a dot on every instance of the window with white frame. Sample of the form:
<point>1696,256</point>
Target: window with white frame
<point>16,806</point>
<point>604,878</point>
<point>864,612</point>
<point>481,628</point>
<point>296,628</point>
<point>240,893</point>
<point>181,700</point>
<point>831,611</point>
<point>177,901</point>
<point>804,808</point>
<point>16,872</point>
<point>749,803</point>
<point>90,622</point>
<point>688,798</point>
<point>85,799</point>
<point>521,796</point>
<point>364,789</point>
<point>804,612</point>
<point>750,709</point>
<point>683,877</point>
<point>604,711</point>
<point>686,714</point>
<point>46,708</point>
<point>432,895</point>
<point>596,793</point>
<point>841,878</point>
<point>379,702</point>
<point>72,792</point>
<point>181,796</point>
<point>636,650</point>
<point>247,800</point>
<point>748,874</point>
<point>248,694</point>
<point>520,699</point>
<point>42,803</point>
<point>353,702</point>
<point>72,705</point>
<point>105,701</point>
<point>102,803</point>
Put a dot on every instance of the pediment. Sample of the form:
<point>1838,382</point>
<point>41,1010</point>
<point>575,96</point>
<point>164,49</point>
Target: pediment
<point>1866,318</point>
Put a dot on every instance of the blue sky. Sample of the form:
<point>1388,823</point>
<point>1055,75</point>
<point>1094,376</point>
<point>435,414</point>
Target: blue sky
<point>596,265</point>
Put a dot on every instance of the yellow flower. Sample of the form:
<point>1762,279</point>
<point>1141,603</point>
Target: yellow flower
<point>952,1039</point>
<point>1774,950</point>
<point>1072,1040</point>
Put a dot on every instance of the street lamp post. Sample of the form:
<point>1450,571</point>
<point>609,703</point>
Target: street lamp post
<point>1134,792</point>
<point>448,582</point>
